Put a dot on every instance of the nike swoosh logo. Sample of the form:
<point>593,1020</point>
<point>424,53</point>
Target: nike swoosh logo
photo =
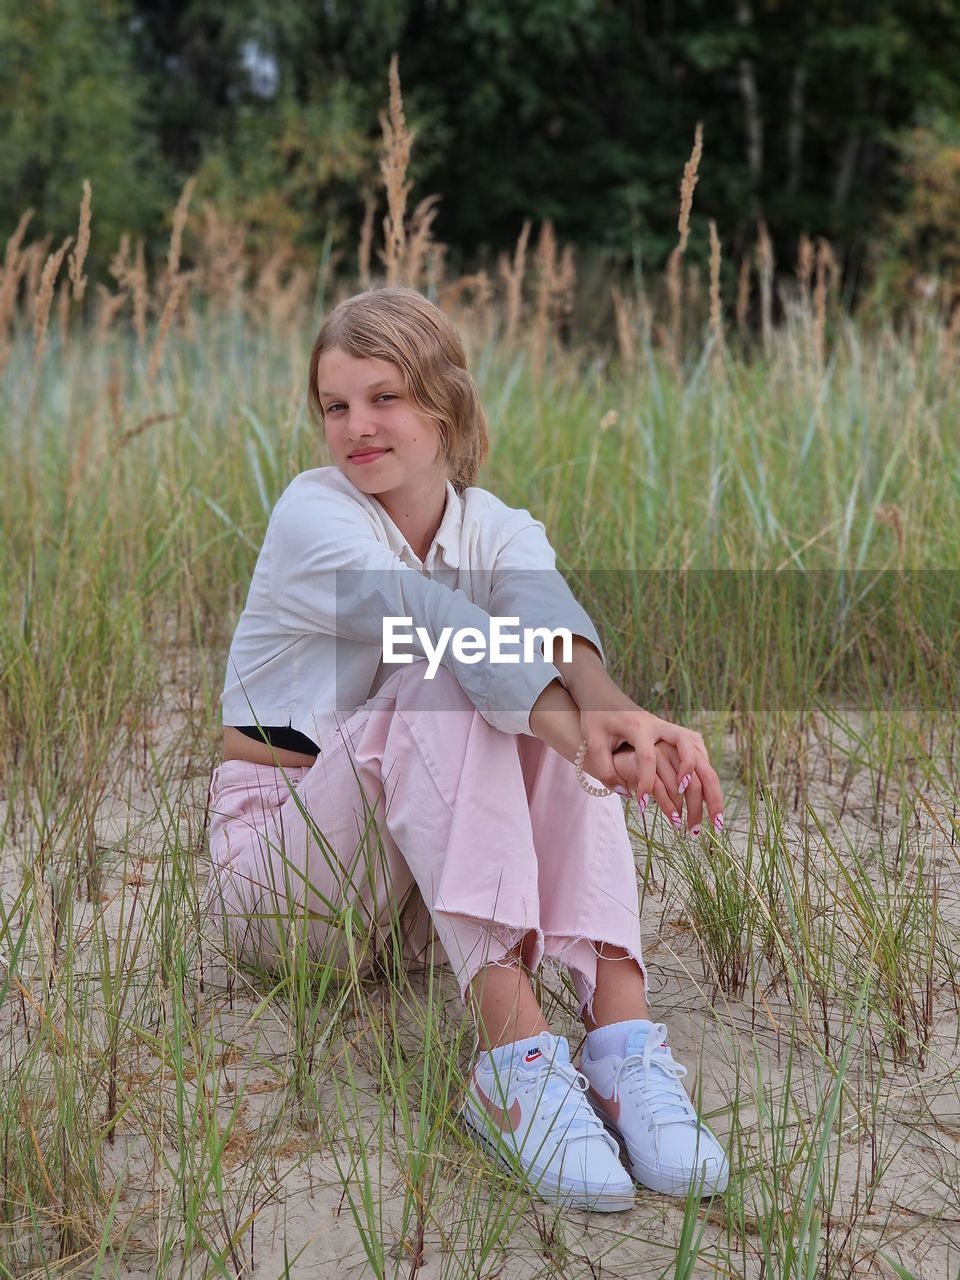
<point>499,1115</point>
<point>610,1106</point>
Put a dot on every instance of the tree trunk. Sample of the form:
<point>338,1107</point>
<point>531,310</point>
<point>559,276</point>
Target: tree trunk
<point>753,119</point>
<point>798,85</point>
<point>846,167</point>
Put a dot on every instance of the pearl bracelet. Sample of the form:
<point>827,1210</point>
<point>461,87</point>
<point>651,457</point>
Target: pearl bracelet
<point>587,787</point>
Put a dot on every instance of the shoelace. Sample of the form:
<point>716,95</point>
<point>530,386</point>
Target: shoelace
<point>665,1096</point>
<point>574,1106</point>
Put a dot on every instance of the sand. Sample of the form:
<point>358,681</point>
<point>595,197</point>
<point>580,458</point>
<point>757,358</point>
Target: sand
<point>286,1187</point>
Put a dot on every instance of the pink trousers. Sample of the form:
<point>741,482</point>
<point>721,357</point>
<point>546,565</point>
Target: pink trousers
<point>420,816</point>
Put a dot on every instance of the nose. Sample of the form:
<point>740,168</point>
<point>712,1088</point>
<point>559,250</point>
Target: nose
<point>360,429</point>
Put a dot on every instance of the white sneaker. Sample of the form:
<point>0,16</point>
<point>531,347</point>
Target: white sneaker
<point>639,1096</point>
<point>534,1117</point>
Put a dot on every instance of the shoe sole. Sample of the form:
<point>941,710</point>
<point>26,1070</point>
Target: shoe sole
<point>553,1193</point>
<point>659,1181</point>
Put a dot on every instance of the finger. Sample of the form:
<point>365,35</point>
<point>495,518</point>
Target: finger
<point>641,768</point>
<point>691,753</point>
<point>667,731</point>
<point>684,782</point>
<point>694,769</point>
<point>667,775</point>
<point>674,811</point>
<point>712,794</point>
<point>693,795</point>
<point>668,804</point>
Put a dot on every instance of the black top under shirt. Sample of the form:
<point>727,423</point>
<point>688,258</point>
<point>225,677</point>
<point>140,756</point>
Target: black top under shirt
<point>281,736</point>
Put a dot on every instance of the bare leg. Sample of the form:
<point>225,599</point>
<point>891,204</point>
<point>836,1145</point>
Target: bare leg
<point>504,1002</point>
<point>619,995</point>
<point>507,1008</point>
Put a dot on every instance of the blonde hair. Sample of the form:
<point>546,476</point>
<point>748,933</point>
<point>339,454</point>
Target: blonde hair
<point>404,327</point>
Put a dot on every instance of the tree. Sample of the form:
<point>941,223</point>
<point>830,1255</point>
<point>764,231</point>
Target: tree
<point>71,108</point>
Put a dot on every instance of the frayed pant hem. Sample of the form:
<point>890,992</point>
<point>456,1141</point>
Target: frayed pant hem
<point>489,945</point>
<point>579,955</point>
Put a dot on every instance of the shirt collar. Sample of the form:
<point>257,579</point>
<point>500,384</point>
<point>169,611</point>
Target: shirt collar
<point>447,539</point>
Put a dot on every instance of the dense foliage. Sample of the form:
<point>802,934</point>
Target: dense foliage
<point>581,111</point>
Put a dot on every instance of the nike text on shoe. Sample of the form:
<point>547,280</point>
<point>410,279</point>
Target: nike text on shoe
<point>532,1114</point>
<point>639,1096</point>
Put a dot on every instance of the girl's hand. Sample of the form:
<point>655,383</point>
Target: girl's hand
<point>665,791</point>
<point>679,768</point>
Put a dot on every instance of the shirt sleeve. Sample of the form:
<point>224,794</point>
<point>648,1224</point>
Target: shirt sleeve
<point>528,585</point>
<point>327,571</point>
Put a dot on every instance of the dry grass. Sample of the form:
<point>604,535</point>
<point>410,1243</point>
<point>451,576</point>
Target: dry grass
<point>78,257</point>
<point>41,313</point>
<point>669,316</point>
<point>365,245</point>
<point>512,275</point>
<point>765,269</point>
<point>176,236</point>
<point>716,304</point>
<point>691,171</point>
<point>397,146</point>
<point>177,292</point>
<point>826,274</point>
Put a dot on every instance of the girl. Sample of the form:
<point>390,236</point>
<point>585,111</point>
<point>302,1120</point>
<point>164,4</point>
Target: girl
<point>472,773</point>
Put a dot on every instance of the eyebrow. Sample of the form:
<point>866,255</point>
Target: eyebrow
<point>384,382</point>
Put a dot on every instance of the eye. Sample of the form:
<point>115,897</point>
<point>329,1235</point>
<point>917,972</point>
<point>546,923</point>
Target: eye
<point>383,395</point>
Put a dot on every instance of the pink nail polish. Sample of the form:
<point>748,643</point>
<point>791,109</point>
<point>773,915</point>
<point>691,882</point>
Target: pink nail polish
<point>621,791</point>
<point>695,831</point>
<point>718,822</point>
<point>684,783</point>
<point>644,801</point>
<point>676,819</point>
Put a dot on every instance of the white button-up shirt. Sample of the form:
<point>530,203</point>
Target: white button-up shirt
<point>308,649</point>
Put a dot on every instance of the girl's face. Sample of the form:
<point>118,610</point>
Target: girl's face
<point>366,410</point>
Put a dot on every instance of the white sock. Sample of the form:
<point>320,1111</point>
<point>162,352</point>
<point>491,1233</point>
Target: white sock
<point>503,1054</point>
<point>613,1037</point>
